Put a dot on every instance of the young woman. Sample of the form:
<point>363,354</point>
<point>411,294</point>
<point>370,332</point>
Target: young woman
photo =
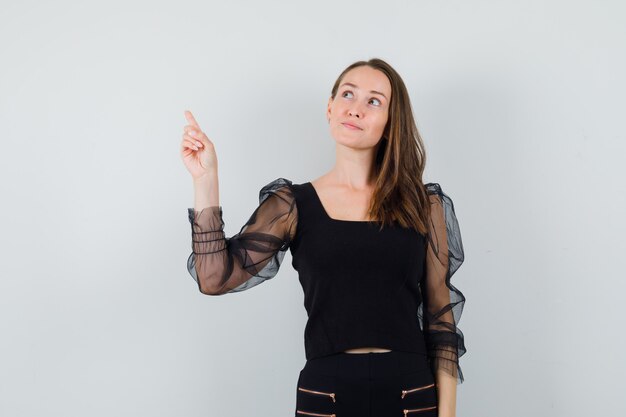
<point>374,248</point>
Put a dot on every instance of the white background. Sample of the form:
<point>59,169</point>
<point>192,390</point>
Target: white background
<point>521,106</point>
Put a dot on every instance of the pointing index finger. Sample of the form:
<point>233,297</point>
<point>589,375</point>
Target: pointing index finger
<point>191,119</point>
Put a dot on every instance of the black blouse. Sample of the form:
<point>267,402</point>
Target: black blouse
<point>362,286</point>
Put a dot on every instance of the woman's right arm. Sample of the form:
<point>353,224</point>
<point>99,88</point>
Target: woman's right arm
<point>220,264</point>
<point>206,191</point>
<point>223,264</point>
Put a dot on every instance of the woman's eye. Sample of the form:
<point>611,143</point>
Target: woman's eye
<point>350,92</point>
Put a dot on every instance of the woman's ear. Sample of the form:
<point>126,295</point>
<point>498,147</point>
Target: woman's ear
<point>330,102</point>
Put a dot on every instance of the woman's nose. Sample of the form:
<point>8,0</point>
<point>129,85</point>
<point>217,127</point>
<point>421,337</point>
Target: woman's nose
<point>354,112</point>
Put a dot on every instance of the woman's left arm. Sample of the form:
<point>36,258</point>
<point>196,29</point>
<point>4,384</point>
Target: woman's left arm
<point>446,394</point>
<point>443,303</point>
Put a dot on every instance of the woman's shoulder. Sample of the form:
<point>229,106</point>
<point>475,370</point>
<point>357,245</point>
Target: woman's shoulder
<point>282,186</point>
<point>433,188</point>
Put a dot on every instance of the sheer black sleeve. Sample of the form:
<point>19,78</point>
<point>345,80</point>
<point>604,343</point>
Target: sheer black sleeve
<point>223,265</point>
<point>443,303</point>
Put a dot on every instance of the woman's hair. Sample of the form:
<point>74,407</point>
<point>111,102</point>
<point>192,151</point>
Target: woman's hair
<point>399,194</point>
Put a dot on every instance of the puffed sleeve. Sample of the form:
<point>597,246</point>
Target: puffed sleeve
<point>443,303</point>
<point>220,264</point>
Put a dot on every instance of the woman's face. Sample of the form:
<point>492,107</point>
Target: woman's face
<point>362,100</point>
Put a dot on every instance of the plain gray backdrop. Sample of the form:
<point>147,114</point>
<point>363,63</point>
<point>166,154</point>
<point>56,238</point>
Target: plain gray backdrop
<point>520,104</point>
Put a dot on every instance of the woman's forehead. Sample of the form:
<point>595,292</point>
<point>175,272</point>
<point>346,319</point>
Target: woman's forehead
<point>366,78</point>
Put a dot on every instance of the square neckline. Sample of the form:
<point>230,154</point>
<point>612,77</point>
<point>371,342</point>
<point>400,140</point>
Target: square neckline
<point>323,209</point>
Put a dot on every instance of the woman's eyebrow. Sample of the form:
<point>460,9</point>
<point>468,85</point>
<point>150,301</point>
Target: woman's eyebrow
<point>371,91</point>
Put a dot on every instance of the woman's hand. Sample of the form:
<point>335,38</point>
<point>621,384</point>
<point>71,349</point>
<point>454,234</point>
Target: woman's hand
<point>197,151</point>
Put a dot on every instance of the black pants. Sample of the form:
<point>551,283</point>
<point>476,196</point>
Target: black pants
<point>385,384</point>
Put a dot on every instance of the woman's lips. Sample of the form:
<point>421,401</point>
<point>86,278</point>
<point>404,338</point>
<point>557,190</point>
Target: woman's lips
<point>349,126</point>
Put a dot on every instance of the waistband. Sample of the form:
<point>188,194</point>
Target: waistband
<point>368,365</point>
